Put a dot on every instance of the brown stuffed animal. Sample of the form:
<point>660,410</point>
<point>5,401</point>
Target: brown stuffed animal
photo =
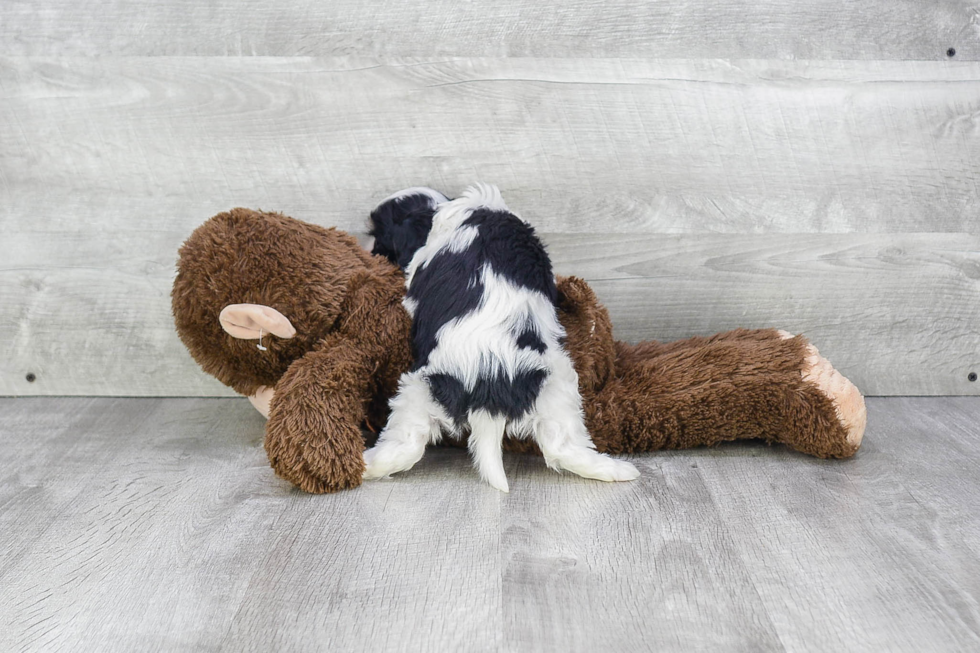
<point>310,327</point>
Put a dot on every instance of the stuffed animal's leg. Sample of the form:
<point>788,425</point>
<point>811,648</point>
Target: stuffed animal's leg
<point>413,423</point>
<point>846,398</point>
<point>486,438</point>
<point>561,434</point>
<point>742,384</point>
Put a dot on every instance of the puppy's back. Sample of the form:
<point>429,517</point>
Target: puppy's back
<point>482,295</point>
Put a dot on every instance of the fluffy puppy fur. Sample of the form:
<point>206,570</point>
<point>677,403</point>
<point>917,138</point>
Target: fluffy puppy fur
<point>487,343</point>
<point>401,223</point>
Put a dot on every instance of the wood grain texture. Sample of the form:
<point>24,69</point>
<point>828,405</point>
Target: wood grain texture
<point>106,165</point>
<point>896,313</point>
<point>155,525</point>
<point>625,146</point>
<point>779,29</point>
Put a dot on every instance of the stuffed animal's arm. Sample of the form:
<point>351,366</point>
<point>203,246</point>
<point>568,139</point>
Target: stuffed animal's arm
<point>313,436</point>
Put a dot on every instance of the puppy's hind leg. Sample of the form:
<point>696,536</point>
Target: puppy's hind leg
<point>561,434</point>
<point>486,438</point>
<point>564,447</point>
<point>413,423</point>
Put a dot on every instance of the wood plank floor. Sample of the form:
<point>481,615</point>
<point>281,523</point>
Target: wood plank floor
<point>157,525</point>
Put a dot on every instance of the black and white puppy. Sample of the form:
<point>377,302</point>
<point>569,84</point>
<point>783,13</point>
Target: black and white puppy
<point>488,347</point>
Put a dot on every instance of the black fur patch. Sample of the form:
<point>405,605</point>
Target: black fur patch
<point>400,227</point>
<point>496,395</point>
<point>449,392</point>
<point>443,292</point>
<point>513,250</point>
<point>530,340</point>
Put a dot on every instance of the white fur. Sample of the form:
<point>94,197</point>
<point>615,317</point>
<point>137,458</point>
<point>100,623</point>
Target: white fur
<point>437,197</point>
<point>483,343</point>
<point>486,438</point>
<point>416,419</point>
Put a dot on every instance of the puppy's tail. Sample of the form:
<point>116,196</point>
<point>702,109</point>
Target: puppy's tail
<point>476,197</point>
<point>482,196</point>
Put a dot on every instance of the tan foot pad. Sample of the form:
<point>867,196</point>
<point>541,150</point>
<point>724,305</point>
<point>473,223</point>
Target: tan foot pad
<point>847,399</point>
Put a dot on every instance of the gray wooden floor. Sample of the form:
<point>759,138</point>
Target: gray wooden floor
<point>156,524</point>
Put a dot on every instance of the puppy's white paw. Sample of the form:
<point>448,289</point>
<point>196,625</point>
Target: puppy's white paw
<point>385,460</point>
<point>588,463</point>
<point>372,466</point>
<point>603,468</point>
<point>616,470</point>
<point>624,471</point>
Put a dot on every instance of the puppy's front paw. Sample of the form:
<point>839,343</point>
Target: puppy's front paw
<point>385,459</point>
<point>375,465</point>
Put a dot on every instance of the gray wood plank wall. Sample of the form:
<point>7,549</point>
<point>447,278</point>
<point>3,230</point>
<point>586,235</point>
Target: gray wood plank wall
<point>812,166</point>
<point>772,29</point>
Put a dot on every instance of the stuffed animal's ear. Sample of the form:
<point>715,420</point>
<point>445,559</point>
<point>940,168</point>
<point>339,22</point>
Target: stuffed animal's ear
<point>251,321</point>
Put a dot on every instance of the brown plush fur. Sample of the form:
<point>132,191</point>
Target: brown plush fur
<point>352,344</point>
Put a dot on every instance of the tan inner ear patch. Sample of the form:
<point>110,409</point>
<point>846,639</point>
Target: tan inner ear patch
<point>252,321</point>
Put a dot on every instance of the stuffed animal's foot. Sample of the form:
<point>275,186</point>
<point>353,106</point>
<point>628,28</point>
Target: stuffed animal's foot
<point>262,399</point>
<point>844,395</point>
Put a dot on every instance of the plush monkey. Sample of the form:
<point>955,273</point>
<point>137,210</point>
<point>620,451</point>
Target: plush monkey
<point>310,326</point>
